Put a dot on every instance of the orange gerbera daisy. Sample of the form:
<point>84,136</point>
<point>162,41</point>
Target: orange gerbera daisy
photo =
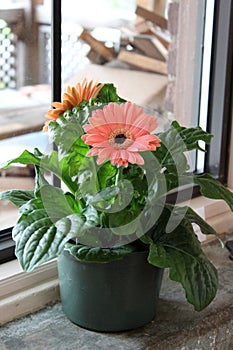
<point>73,96</point>
<point>119,132</point>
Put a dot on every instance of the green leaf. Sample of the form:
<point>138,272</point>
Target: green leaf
<point>176,140</point>
<point>113,199</point>
<point>124,223</point>
<point>91,217</point>
<point>38,239</point>
<point>135,175</point>
<point>17,197</point>
<point>105,173</point>
<point>60,168</point>
<point>212,188</point>
<point>66,131</point>
<point>55,202</point>
<point>76,225</point>
<point>47,162</point>
<point>73,203</point>
<point>80,112</point>
<point>96,254</point>
<point>192,136</point>
<point>180,251</point>
<point>25,158</point>
<point>87,177</point>
<point>105,198</point>
<point>173,215</point>
<point>76,158</point>
<point>40,180</point>
<point>205,228</point>
<point>71,225</point>
<point>108,94</point>
<point>171,152</point>
<point>32,204</point>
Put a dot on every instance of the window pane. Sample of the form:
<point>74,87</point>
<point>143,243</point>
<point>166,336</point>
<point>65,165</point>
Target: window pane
<point>25,70</point>
<point>24,93</point>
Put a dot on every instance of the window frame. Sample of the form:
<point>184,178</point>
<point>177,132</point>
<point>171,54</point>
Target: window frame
<point>221,67</point>
<point>221,51</point>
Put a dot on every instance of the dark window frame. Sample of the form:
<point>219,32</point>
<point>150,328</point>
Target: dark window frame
<point>214,124</point>
<point>221,69</point>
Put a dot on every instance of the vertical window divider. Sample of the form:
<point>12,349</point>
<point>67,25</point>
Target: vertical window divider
<point>56,65</point>
<point>220,93</point>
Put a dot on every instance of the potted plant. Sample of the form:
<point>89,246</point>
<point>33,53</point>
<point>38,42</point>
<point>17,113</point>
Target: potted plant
<point>110,224</point>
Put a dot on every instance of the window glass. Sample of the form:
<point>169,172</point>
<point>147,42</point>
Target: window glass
<point>26,69</point>
<point>24,94</point>
<point>25,72</point>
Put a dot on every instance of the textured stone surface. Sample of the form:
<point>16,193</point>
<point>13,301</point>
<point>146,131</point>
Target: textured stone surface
<point>177,325</point>
<point>171,64</point>
<point>170,96</point>
<point>173,17</point>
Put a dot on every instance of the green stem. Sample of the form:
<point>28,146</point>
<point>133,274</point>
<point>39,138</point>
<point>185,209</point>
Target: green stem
<point>118,175</point>
<point>164,158</point>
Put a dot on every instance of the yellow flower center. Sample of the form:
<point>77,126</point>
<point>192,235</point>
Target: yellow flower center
<point>121,138</point>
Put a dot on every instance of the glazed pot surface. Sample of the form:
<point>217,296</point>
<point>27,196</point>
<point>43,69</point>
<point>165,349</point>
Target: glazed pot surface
<point>114,296</point>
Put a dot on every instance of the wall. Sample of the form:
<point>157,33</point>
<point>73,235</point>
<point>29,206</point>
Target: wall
<point>185,23</point>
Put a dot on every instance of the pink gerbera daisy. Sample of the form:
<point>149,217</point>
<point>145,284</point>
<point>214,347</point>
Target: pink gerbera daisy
<point>119,132</point>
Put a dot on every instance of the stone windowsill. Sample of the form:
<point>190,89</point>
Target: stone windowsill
<point>176,326</point>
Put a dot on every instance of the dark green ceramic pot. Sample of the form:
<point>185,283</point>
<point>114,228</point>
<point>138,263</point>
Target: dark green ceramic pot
<point>115,296</point>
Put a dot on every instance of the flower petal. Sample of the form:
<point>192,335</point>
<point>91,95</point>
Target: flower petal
<point>115,122</point>
<point>73,96</point>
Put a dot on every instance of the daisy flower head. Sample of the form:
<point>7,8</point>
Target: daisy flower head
<point>119,132</point>
<point>72,97</point>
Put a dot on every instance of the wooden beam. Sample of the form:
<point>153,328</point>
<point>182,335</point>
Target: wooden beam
<point>95,57</point>
<point>165,42</point>
<point>97,45</point>
<point>159,6</point>
<point>143,27</point>
<point>150,46</point>
<point>143,62</point>
<point>152,17</point>
<point>22,121</point>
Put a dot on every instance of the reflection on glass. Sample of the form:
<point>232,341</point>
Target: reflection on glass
<point>24,93</point>
<point>25,66</point>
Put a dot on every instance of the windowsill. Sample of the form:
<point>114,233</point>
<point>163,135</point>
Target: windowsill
<point>176,325</point>
<point>215,212</point>
<point>22,293</point>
